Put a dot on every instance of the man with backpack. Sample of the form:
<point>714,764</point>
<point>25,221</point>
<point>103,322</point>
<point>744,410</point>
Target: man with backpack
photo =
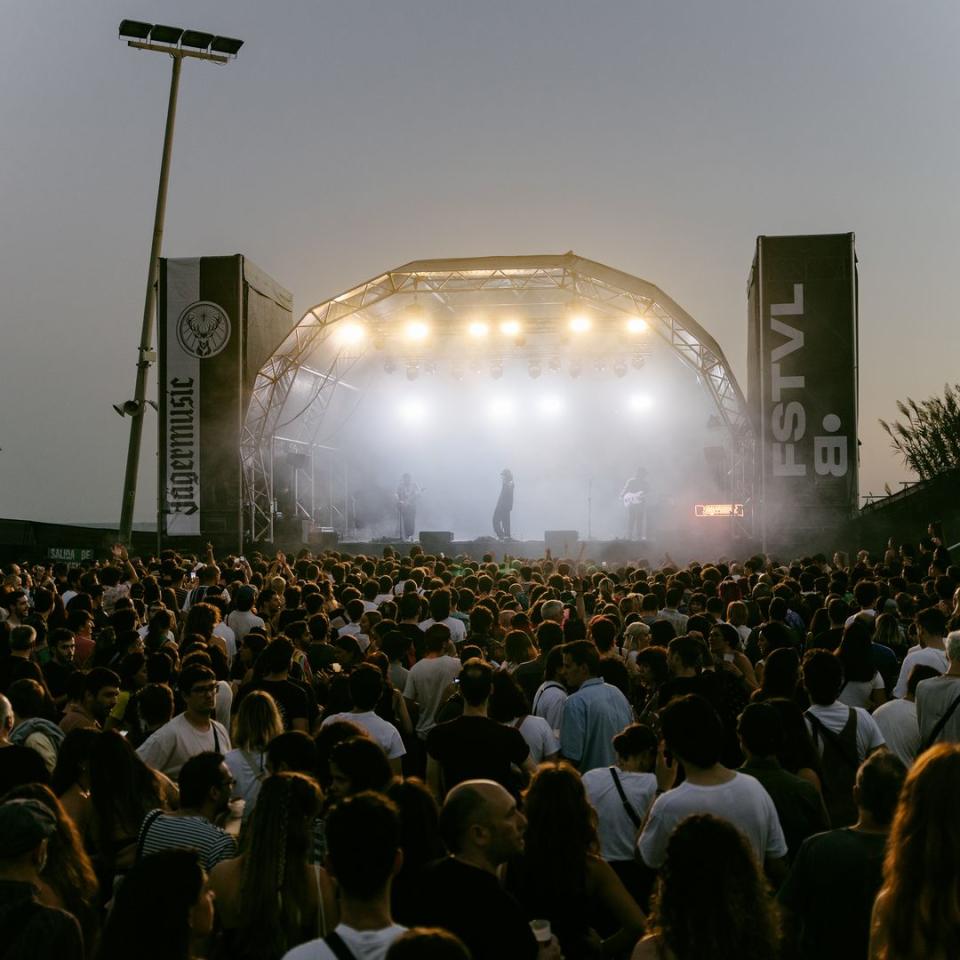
<point>844,736</point>
<point>938,701</point>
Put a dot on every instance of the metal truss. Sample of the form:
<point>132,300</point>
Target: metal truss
<point>538,286</point>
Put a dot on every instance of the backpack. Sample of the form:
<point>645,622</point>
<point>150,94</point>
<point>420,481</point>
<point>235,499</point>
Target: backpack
<point>839,761</point>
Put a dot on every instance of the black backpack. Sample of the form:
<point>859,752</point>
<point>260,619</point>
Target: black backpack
<point>839,761</point>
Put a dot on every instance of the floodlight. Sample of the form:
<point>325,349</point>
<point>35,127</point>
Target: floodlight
<point>637,362</point>
<point>510,328</point>
<point>550,405</point>
<point>413,411</point>
<point>228,45</point>
<point>636,325</point>
<point>640,403</point>
<point>478,329</point>
<point>417,330</point>
<point>135,29</point>
<point>580,323</point>
<point>350,333</point>
<point>162,34</point>
<point>501,407</point>
<point>413,371</point>
<point>196,39</point>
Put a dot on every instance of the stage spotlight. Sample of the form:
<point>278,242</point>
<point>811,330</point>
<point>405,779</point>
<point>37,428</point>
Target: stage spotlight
<point>580,323</point>
<point>636,325</point>
<point>550,405</point>
<point>620,368</point>
<point>413,371</point>
<point>534,369</point>
<point>350,334</point>
<point>478,329</point>
<point>416,330</point>
<point>640,403</point>
<point>575,368</point>
<point>429,368</point>
<point>413,411</point>
<point>638,362</point>
<point>500,408</point>
<point>496,370</point>
<point>510,328</point>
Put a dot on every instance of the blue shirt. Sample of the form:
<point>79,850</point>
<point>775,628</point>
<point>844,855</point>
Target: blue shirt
<point>592,716</point>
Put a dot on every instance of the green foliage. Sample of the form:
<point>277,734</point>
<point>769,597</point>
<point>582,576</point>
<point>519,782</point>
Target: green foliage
<point>928,436</point>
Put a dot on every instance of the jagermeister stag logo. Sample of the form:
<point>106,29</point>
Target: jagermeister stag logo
<point>203,329</point>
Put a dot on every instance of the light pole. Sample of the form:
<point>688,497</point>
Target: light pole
<point>177,43</point>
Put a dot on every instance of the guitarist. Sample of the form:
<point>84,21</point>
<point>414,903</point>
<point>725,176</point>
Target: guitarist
<point>634,496</point>
<point>408,493</point>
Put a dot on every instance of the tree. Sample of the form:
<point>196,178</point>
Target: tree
<point>928,439</point>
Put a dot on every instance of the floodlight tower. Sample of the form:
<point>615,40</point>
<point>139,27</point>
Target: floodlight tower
<point>178,44</point>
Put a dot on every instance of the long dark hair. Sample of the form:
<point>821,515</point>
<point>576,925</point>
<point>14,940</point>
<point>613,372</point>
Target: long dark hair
<point>698,917</point>
<point>151,908</point>
<point>73,754</point>
<point>855,653</point>
<point>274,892</point>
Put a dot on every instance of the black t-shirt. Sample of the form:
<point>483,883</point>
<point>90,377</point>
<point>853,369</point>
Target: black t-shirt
<point>18,668</point>
<point>20,765</point>
<point>615,672</point>
<point>416,636</point>
<point>831,889</point>
<point>470,903</point>
<point>58,677</point>
<point>477,748</point>
<point>291,699</point>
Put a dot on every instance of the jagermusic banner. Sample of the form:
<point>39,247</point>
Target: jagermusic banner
<point>802,382</point>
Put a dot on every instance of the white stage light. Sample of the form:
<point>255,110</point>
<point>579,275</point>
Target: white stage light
<point>501,408</point>
<point>580,323</point>
<point>510,328</point>
<point>550,405</point>
<point>640,403</point>
<point>478,329</point>
<point>638,362</point>
<point>413,371</point>
<point>417,330</point>
<point>350,334</point>
<point>636,325</point>
<point>412,411</point>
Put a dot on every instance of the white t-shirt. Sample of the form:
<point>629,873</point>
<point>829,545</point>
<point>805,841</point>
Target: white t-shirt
<point>742,801</point>
<point>249,769</point>
<point>548,702</point>
<point>458,631</point>
<point>241,622</point>
<point>856,693</point>
<point>897,720</point>
<point>224,703</point>
<point>930,656</point>
<point>363,944</point>
<point>835,717</point>
<point>229,639</point>
<point>426,684</point>
<point>618,835</point>
<point>384,732</point>
<point>541,740</point>
<point>170,747</point>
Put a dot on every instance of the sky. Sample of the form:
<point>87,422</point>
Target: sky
<point>351,137</point>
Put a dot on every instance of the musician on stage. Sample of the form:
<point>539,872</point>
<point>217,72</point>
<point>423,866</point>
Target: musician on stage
<point>501,515</point>
<point>408,493</point>
<point>634,496</point>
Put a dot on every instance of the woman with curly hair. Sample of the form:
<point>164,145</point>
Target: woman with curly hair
<point>917,912</point>
<point>561,878</point>
<point>271,898</point>
<point>711,899</point>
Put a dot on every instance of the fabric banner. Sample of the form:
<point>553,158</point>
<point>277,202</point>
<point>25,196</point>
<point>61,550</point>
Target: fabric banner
<point>802,382</point>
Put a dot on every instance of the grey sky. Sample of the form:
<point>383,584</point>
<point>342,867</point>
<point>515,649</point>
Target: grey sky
<point>351,137</point>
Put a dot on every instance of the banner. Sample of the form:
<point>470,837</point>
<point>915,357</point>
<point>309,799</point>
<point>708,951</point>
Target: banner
<point>802,383</point>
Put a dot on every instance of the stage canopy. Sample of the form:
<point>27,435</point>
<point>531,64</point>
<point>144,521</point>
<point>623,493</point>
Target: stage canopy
<point>567,371</point>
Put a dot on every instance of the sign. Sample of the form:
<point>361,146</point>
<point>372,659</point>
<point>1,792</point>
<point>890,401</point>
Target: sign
<point>69,554</point>
<point>718,510</point>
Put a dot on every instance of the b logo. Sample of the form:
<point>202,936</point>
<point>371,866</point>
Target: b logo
<point>203,329</point>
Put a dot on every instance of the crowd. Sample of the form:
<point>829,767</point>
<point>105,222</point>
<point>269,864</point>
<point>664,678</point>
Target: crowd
<point>332,757</point>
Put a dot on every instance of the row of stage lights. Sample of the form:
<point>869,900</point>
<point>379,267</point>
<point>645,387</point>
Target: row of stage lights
<point>416,329</point>
<point>535,367</point>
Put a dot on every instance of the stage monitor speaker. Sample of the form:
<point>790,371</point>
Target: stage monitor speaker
<point>561,543</point>
<point>324,539</point>
<point>436,541</point>
<point>291,529</point>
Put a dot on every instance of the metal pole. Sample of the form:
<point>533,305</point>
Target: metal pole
<point>146,333</point>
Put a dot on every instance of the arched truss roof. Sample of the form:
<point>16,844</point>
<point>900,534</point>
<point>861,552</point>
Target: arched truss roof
<point>531,284</point>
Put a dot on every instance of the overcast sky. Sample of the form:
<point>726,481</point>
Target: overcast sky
<point>351,137</point>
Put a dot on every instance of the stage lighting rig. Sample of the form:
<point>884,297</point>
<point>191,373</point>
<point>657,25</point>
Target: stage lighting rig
<point>636,325</point>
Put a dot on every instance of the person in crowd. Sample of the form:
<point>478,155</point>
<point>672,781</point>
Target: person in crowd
<point>551,696</point>
<point>594,712</point>
<point>189,733</point>
<point>863,685</point>
<point>843,735</point>
<point>938,699</point>
<point>364,855</point>
<point>440,603</point>
<point>31,726</point>
<point>915,915</point>
<point>482,828</point>
<point>257,722</point>
<point>724,642</point>
<point>29,929</point>
<point>897,718</point>
<point>18,764</point>
<point>799,805</point>
<point>18,663</point>
<point>243,618</point>
<point>206,787</point>
<point>559,876</point>
<point>163,910</point>
<point>692,915</point>
<point>101,691</point>
<point>931,625</point>
<point>271,898</point>
<point>671,614</point>
<point>693,735</point>
<point>428,943</point>
<point>508,705</point>
<point>57,670</point>
<point>621,795</point>
<point>828,895</point>
<point>781,677</point>
<point>430,679</point>
<point>366,688</point>
<point>474,746</point>
<point>549,634</point>
<point>357,764</point>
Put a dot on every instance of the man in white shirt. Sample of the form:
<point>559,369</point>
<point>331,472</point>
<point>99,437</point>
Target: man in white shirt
<point>363,855</point>
<point>191,732</point>
<point>366,688</point>
<point>938,701</point>
<point>440,606</point>
<point>897,718</point>
<point>429,680</point>
<point>931,630</point>
<point>693,734</point>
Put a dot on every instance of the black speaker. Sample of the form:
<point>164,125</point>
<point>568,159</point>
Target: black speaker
<point>436,541</point>
<point>324,539</point>
<point>291,529</point>
<point>562,543</point>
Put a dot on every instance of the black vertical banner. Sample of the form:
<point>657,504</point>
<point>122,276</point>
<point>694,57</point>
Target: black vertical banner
<point>803,384</point>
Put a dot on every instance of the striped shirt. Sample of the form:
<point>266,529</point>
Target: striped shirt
<point>163,832</point>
